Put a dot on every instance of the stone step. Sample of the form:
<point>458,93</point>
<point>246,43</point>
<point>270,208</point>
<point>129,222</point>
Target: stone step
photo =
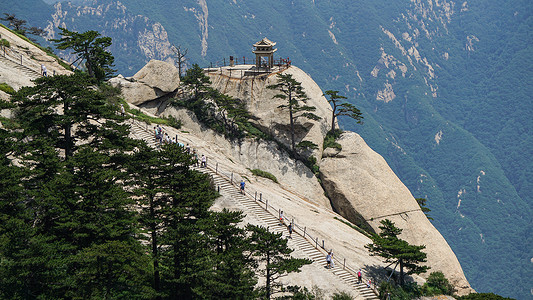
<point>250,206</point>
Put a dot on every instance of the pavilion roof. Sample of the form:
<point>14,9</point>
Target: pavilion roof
<point>264,42</point>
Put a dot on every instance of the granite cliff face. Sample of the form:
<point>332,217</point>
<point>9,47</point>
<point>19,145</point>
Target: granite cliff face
<point>364,189</point>
<point>361,186</point>
<point>261,103</point>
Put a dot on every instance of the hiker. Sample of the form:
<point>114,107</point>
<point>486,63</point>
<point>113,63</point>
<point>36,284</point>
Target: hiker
<point>43,70</point>
<point>195,155</point>
<point>290,230</point>
<point>369,283</point>
<point>204,162</point>
<point>122,110</point>
<point>242,186</point>
<point>280,217</point>
<point>359,276</point>
<point>332,263</point>
<point>328,260</point>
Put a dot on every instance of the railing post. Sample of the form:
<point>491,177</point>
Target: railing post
<point>231,179</point>
<point>21,59</point>
<point>255,197</point>
<point>218,188</point>
<point>344,264</point>
<point>266,205</point>
<point>216,168</point>
<point>261,197</point>
<point>305,228</point>
<point>316,243</point>
<point>323,245</point>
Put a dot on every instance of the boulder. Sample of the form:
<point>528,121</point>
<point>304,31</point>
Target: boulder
<point>154,80</point>
<point>159,75</point>
<point>365,190</point>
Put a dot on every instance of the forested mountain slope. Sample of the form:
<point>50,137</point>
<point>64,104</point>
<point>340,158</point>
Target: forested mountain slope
<point>445,88</point>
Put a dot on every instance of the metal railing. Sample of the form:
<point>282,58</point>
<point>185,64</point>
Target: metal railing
<point>319,243</point>
<point>17,57</point>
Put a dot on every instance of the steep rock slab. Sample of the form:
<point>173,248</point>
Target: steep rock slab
<point>364,189</point>
<point>155,79</point>
<point>292,174</point>
<point>261,103</point>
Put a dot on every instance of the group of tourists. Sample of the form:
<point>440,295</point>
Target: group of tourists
<point>164,138</point>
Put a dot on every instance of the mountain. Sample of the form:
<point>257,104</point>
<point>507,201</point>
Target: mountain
<point>444,87</point>
<point>296,190</point>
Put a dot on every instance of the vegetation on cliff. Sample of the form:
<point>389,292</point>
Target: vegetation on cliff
<point>479,53</point>
<point>87,212</point>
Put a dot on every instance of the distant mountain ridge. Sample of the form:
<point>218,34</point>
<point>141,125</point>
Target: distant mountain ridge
<point>442,84</point>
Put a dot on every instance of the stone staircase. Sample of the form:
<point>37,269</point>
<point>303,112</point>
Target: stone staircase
<point>32,74</point>
<point>250,206</point>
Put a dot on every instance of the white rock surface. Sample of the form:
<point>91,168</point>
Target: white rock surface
<point>260,102</point>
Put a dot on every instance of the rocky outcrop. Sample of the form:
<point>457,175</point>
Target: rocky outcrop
<point>261,103</point>
<point>364,189</point>
<point>292,174</point>
<point>156,79</point>
<point>360,185</point>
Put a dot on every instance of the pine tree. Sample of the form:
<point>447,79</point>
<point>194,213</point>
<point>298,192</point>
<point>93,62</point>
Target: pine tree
<point>196,80</point>
<point>233,276</point>
<point>395,250</point>
<point>271,251</point>
<point>293,92</point>
<point>89,47</point>
<point>83,235</point>
<point>342,109</point>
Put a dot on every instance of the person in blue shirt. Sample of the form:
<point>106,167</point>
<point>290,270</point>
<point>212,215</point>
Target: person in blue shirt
<point>242,186</point>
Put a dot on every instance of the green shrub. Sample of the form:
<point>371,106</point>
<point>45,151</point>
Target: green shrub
<point>264,174</point>
<point>342,296</point>
<point>5,43</point>
<point>437,284</point>
<point>329,140</point>
<point>7,88</point>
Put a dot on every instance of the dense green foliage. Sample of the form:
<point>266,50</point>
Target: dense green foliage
<point>394,250</point>
<point>435,285</point>
<point>89,48</point>
<point>330,139</point>
<point>480,55</point>
<point>6,88</point>
<point>483,296</point>
<point>88,213</point>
